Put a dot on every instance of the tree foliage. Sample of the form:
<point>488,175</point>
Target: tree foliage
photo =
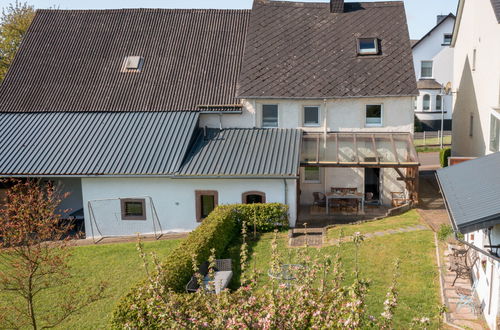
<point>33,258</point>
<point>14,22</point>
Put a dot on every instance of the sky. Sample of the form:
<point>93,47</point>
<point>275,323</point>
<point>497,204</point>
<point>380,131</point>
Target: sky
<point>421,13</point>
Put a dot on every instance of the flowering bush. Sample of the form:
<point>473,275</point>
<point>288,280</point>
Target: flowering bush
<point>299,298</point>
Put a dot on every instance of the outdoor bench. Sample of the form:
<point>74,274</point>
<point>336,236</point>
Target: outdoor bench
<point>222,276</point>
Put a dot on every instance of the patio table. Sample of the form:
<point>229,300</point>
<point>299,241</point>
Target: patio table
<point>333,195</point>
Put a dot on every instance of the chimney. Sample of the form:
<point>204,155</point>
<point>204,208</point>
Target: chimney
<point>337,6</point>
<point>440,18</point>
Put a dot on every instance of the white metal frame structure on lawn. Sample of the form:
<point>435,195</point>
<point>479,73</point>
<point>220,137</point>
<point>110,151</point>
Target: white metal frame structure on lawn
<point>105,216</point>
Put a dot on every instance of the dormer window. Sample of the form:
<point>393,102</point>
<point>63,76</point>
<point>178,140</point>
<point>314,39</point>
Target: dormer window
<point>132,64</point>
<point>368,46</point>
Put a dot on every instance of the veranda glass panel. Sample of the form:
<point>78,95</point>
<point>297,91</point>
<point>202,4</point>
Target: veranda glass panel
<point>328,149</point>
<point>347,153</point>
<point>366,148</point>
<point>309,149</point>
<point>385,149</point>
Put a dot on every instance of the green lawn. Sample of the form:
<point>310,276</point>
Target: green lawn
<point>433,141</point>
<point>410,218</point>
<point>117,264</point>
<point>418,282</point>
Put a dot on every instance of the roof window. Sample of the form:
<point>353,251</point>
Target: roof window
<point>132,64</point>
<point>368,46</point>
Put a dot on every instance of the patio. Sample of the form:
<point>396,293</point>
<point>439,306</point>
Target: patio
<point>353,176</point>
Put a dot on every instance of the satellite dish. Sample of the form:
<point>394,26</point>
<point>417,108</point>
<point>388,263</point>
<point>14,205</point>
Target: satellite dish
<point>447,88</point>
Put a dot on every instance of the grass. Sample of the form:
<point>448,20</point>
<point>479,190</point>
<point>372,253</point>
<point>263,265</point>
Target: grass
<point>117,264</point>
<point>433,141</point>
<point>418,282</point>
<point>428,149</point>
<point>410,218</point>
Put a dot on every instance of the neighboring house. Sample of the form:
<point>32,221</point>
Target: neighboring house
<point>152,123</point>
<point>471,192</point>
<point>476,78</point>
<point>433,62</point>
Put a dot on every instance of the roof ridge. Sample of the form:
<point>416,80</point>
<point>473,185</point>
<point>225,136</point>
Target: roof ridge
<point>111,10</point>
<point>325,4</point>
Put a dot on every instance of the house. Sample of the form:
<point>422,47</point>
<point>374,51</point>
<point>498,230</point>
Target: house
<point>151,123</point>
<point>471,194</point>
<point>433,62</point>
<point>476,78</point>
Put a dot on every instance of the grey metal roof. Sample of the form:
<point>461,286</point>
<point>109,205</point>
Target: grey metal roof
<point>73,60</point>
<point>244,152</point>
<point>94,143</point>
<point>472,192</point>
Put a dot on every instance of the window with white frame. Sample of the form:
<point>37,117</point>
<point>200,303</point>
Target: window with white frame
<point>426,102</point>
<point>374,115</point>
<point>447,39</point>
<point>312,175</point>
<point>368,46</point>
<point>494,134</point>
<point>270,115</point>
<point>311,116</point>
<point>439,102</point>
<point>426,69</point>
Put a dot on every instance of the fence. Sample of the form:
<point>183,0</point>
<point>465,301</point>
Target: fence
<point>432,138</point>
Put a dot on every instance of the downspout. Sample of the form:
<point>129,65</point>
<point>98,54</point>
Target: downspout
<point>220,121</point>
<point>285,189</point>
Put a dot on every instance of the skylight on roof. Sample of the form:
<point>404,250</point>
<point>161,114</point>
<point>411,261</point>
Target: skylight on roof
<point>368,46</point>
<point>133,64</point>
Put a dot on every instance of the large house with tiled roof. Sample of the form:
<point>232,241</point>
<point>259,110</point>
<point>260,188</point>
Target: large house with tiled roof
<point>152,117</point>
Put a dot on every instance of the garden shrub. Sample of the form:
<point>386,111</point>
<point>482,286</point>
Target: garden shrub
<point>444,232</point>
<point>443,156</point>
<point>215,232</point>
<point>266,216</point>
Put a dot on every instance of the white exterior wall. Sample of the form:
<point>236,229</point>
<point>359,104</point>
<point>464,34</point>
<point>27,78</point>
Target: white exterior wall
<point>477,91</point>
<point>174,199</point>
<point>487,276</point>
<point>431,49</point>
<point>341,114</point>
<point>345,177</point>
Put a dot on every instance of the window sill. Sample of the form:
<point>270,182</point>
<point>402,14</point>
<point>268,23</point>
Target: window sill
<point>311,182</point>
<point>311,125</point>
<point>270,126</point>
<point>430,111</point>
<point>374,125</point>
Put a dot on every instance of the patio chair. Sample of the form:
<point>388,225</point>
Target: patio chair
<point>460,266</point>
<point>369,200</point>
<point>319,199</point>
<point>466,298</point>
<point>398,198</point>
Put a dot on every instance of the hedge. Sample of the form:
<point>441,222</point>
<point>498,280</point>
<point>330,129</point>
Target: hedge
<point>443,156</point>
<point>266,216</point>
<point>215,232</point>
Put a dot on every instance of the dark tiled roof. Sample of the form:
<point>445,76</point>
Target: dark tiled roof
<point>71,60</point>
<point>496,8</point>
<point>245,152</point>
<point>94,143</point>
<point>428,84</point>
<point>471,192</point>
<point>299,50</point>
<point>413,42</point>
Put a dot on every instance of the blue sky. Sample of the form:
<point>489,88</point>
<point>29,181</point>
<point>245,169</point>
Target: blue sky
<point>421,13</point>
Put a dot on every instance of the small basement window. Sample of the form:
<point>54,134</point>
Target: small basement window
<point>311,116</point>
<point>368,46</point>
<point>133,64</point>
<point>133,209</point>
<point>206,202</point>
<point>253,197</point>
<point>374,115</point>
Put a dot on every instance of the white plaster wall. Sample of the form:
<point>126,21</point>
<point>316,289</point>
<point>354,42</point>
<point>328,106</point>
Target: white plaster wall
<point>479,90</point>
<point>432,113</point>
<point>431,48</point>
<point>350,178</point>
<point>244,120</point>
<point>487,277</point>
<point>342,114</point>
<point>174,199</point>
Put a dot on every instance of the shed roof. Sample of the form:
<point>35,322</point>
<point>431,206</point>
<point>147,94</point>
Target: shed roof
<point>94,143</point>
<point>235,152</point>
<point>73,60</point>
<point>302,50</point>
<point>471,192</point>
<point>428,84</point>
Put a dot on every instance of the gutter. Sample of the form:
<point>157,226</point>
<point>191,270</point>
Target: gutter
<point>458,19</point>
<point>144,176</point>
<point>322,97</point>
<point>456,230</point>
